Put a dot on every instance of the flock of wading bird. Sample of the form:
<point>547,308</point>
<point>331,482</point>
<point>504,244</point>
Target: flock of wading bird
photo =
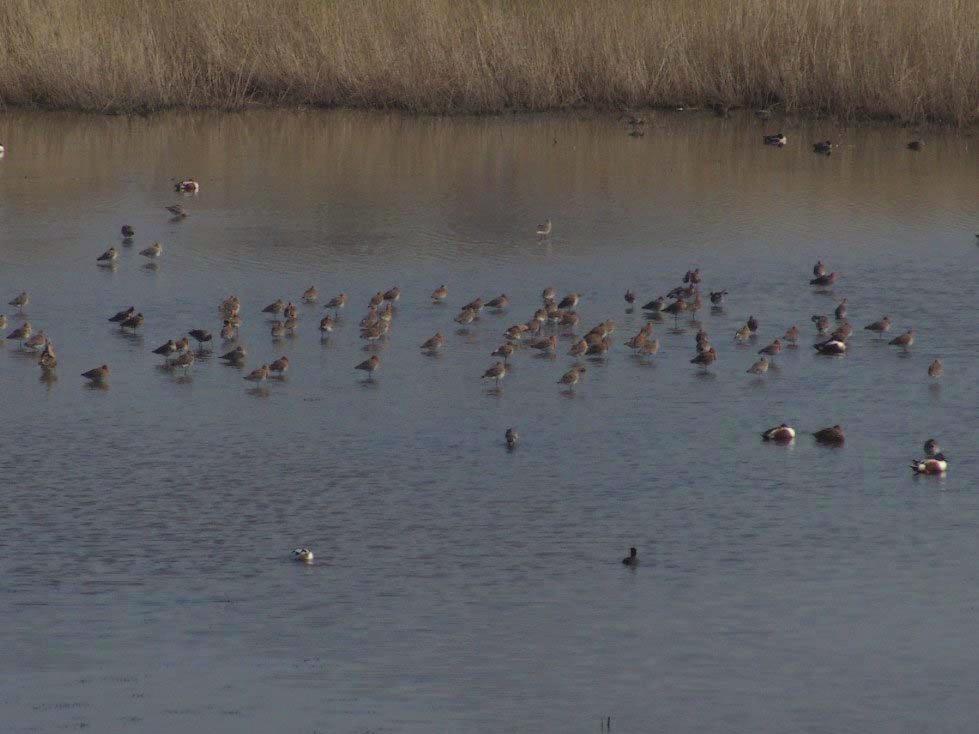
<point>538,334</point>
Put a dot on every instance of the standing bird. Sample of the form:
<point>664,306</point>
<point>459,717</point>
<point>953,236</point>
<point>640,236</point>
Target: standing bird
<point>184,360</point>
<point>499,303</point>
<point>369,366</point>
<point>236,356</point>
<point>47,361</point>
<point>511,438</point>
<point>825,147</point>
<point>177,211</point>
<point>572,377</point>
<point>656,305</point>
<point>570,301</point>
<point>549,293</point>
<point>97,376</point>
<point>133,322</point>
<point>630,297</point>
<point>275,307</point>
<point>632,559</point>
<point>465,317</point>
<point>544,230</point>
<point>227,330</point>
<point>840,311</point>
<point>440,294</point>
<point>311,295</point>
<point>752,324</point>
<point>20,300</point>
<point>648,348</point>
<point>165,350</point>
<point>326,324</point>
<point>258,375</point>
<point>833,435</point>
<point>821,321</point>
<point>792,335</point>
<point>782,433</point>
<point>337,302</point>
<point>3,321</point>
<point>153,251</point>
<point>392,294</point>
<point>772,349</point>
<point>935,369</point>
<point>743,334</point>
<point>108,257</point>
<point>759,368</point>
<point>579,348</point>
<point>546,345</point>
<point>905,340</point>
<point>705,359</point>
<point>200,336</point>
<point>496,372</point>
<point>122,315</point>
<point>505,350</point>
<point>880,326</point>
<point>280,366</point>
<point>433,343</point>
<point>21,333</point>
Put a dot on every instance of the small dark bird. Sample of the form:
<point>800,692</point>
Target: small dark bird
<point>818,269</point>
<point>177,211</point>
<point>123,315</point>
<point>132,322</point>
<point>777,139</point>
<point>880,326</point>
<point>717,297</point>
<point>840,311</point>
<point>752,324</point>
<point>833,435</point>
<point>200,336</point>
<point>823,146</point>
<point>511,438</point>
<point>916,145</point>
<point>935,369</point>
<point>632,559</point>
<point>630,297</point>
<point>657,304</point>
<point>904,340</point>
<point>128,232</point>
<point>705,359</point>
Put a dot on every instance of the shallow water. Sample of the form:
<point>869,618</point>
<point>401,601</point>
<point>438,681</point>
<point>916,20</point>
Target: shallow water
<point>146,530</point>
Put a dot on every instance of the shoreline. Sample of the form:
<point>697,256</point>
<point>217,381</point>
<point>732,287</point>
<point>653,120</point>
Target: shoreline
<point>908,63</point>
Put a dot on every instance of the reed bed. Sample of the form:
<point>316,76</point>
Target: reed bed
<point>909,60</point>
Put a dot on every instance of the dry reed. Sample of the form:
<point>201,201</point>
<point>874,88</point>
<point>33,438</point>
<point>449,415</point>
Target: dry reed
<point>909,60</point>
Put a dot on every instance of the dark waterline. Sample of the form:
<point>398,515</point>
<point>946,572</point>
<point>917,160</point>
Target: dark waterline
<point>458,586</point>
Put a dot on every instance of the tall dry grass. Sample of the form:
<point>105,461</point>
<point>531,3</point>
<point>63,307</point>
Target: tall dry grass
<point>903,59</point>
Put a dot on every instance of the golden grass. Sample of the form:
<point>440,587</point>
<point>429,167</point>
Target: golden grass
<point>900,59</point>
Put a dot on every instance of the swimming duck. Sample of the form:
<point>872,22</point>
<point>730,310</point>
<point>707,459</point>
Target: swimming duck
<point>511,438</point>
<point>823,146</point>
<point>302,555</point>
<point>187,186</point>
<point>632,559</point>
<point>777,139</point>
<point>935,465</point>
<point>833,435</point>
<point>782,433</point>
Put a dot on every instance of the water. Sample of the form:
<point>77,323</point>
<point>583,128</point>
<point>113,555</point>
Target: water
<point>146,529</point>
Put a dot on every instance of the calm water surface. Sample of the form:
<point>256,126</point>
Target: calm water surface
<point>146,529</point>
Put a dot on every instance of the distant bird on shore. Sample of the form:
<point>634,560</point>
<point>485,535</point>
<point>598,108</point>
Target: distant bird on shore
<point>782,433</point>
<point>825,147</point>
<point>187,186</point>
<point>776,139</point>
<point>544,230</point>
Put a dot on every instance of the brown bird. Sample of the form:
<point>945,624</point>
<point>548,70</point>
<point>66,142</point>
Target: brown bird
<point>743,334</point>
<point>177,211</point>
<point>782,434</point>
<point>547,345</point>
<point>440,294</point>
<point>705,359</point>
<point>832,435</point>
<point>752,324</point>
<point>98,375</point>
<point>499,303</point>
<point>133,322</point>
<point>759,368</point>
<point>370,366</point>
<point>792,335</point>
<point>840,311</point>
<point>842,332</point>
<point>475,305</point>
<point>572,376</point>
<point>377,298</point>
<point>122,315</point>
<point>235,356</point>
<point>167,349</point>
<point>200,336</point>
<point>327,323</point>
<point>337,302</point>
<point>630,297</point>
<point>640,338</point>
<point>648,348</point>
<point>434,343</point>
<point>258,375</point>
<point>392,294</point>
<point>824,280</point>
<point>579,348</point>
<point>717,297</point>
<point>185,360</point>
<point>47,361</point>
<point>548,294</point>
<point>570,301</point>
<point>880,326</point>
<point>310,295</point>
<point>821,321</point>
<point>916,145</point>
<point>274,307</point>
<point>600,348</point>
<point>511,438</point>
<point>935,369</point>
<point>22,333</point>
<point>818,269</point>
<point>280,366</point>
<point>108,257</point>
<point>772,349</point>
<point>904,340</point>
<point>465,317</point>
<point>20,300</point>
<point>496,372</point>
<point>504,350</point>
